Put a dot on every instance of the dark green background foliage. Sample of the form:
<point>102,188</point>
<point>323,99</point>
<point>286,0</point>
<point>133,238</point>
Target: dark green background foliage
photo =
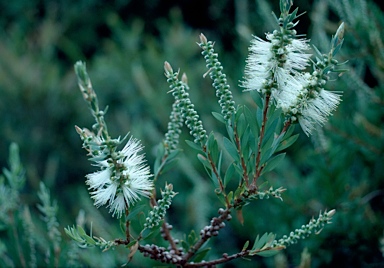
<point>125,44</point>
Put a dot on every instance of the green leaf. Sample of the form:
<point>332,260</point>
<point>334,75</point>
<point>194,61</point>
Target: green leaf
<point>159,156</point>
<point>231,149</point>
<point>252,142</point>
<point>169,164</point>
<point>260,242</point>
<point>220,196</point>
<point>185,245</point>
<point>230,132</point>
<point>214,179</point>
<point>337,48</point>
<point>251,120</point>
<point>229,174</point>
<point>274,115</point>
<point>239,191</point>
<point>263,244</point>
<point>341,70</point>
<point>220,160</point>
<point>289,131</point>
<point>122,225</point>
<point>256,98</point>
<point>81,236</point>
<point>213,147</point>
<point>272,163</point>
<point>268,253</point>
<point>245,148</point>
<point>275,17</point>
<point>90,240</point>
<point>219,117</point>
<point>204,161</point>
<point>173,154</point>
<point>292,16</point>
<point>81,231</point>
<point>268,141</point>
<point>148,233</point>
<point>230,196</point>
<point>238,169</point>
<point>286,143</point>
<point>199,256</point>
<point>194,145</point>
<point>192,238</point>
<point>131,244</point>
<point>241,125</point>
<point>135,211</point>
<point>266,153</point>
<point>276,142</point>
<point>282,6</point>
<point>239,112</point>
<point>319,54</point>
<point>259,117</point>
<point>245,246</point>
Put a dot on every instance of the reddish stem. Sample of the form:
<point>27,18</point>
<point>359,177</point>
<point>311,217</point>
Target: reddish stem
<point>262,131</point>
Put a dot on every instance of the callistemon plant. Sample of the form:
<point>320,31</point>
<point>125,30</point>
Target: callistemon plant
<point>287,84</point>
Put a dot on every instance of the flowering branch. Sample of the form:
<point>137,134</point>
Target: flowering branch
<point>124,176</point>
<point>285,94</point>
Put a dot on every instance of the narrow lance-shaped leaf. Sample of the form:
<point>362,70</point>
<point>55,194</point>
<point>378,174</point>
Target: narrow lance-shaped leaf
<point>231,149</point>
<point>273,163</point>
<point>229,174</point>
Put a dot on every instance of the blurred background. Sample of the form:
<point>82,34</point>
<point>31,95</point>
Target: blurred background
<point>125,44</point>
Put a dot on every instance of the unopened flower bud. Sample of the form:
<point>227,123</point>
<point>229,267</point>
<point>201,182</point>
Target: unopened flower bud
<point>168,68</point>
<point>203,39</point>
<point>331,212</point>
<point>184,78</point>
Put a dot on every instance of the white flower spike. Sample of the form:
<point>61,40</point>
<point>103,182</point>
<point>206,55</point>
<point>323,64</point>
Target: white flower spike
<point>123,183</point>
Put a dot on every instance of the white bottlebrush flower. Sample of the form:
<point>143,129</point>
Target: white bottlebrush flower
<point>289,88</point>
<point>98,179</point>
<point>104,194</point>
<point>118,205</point>
<point>275,60</point>
<point>260,62</point>
<point>315,111</point>
<point>331,100</point>
<point>296,57</point>
<point>123,184</point>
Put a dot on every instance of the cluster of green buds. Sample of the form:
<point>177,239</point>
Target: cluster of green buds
<point>219,78</point>
<point>185,107</point>
<point>275,193</point>
<point>176,118</point>
<point>174,128</point>
<point>247,196</point>
<point>315,226</point>
<point>157,214</point>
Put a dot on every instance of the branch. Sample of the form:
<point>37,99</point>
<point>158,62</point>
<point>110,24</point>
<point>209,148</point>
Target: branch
<point>264,122</point>
<point>165,226</point>
<point>224,259</point>
<point>207,232</point>
<point>160,254</point>
<point>166,234</point>
<point>287,124</point>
